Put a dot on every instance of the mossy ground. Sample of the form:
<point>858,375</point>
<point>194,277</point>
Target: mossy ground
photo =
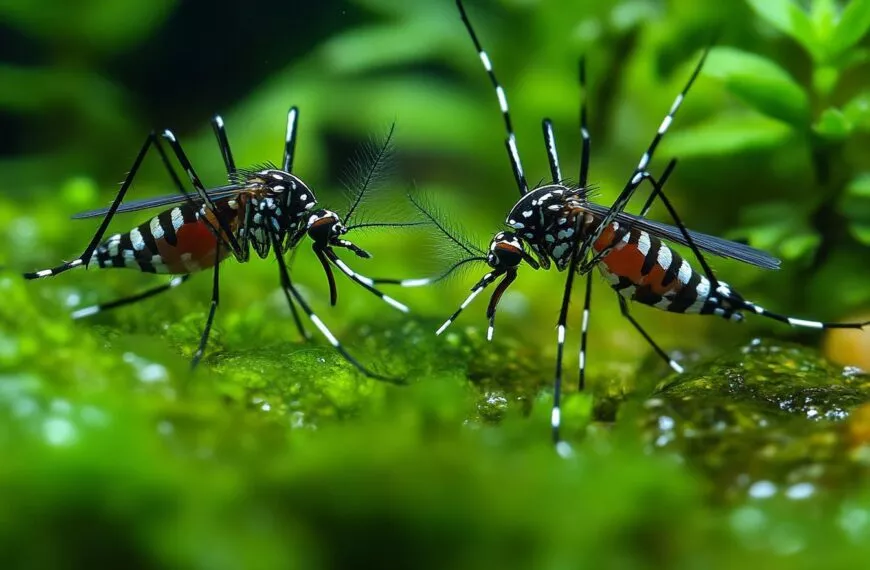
<point>275,453</point>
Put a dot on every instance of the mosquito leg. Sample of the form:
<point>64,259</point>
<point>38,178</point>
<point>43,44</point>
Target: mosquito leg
<point>587,306</point>
<point>584,129</point>
<point>85,257</point>
<point>475,291</point>
<point>556,417</point>
<point>658,186</point>
<point>293,294</point>
<point>220,132</point>
<point>509,277</point>
<point>333,291</point>
<point>552,153</point>
<point>511,140</point>
<point>638,175</point>
<point>290,139</point>
<point>623,307</point>
<point>215,300</point>
<point>366,282</point>
<point>203,195</point>
<point>148,293</point>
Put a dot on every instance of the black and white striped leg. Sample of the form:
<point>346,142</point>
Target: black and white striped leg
<point>552,153</point>
<point>220,132</point>
<point>360,252</point>
<point>586,140</point>
<point>510,276</point>
<point>511,141</point>
<point>639,172</point>
<point>424,281</point>
<point>623,307</point>
<point>292,294</point>
<point>333,290</point>
<point>475,291</point>
<point>212,309</point>
<point>148,293</point>
<point>228,236</point>
<point>290,139</point>
<point>297,320</point>
<point>85,257</point>
<point>366,282</point>
<point>556,416</point>
<point>587,307</point>
<point>794,322</point>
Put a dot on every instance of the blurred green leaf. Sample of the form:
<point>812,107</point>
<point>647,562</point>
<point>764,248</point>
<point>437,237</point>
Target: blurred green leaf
<point>823,14</point>
<point>853,25</point>
<point>799,245</point>
<point>761,83</point>
<point>857,111</point>
<point>860,231</point>
<point>833,125</point>
<point>779,227</point>
<point>825,78</point>
<point>727,134</point>
<point>855,206</point>
<point>860,185</point>
<point>789,18</point>
<point>102,25</point>
<point>375,46</point>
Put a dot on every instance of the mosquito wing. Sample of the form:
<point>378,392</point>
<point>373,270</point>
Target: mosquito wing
<point>710,244</point>
<point>156,202</point>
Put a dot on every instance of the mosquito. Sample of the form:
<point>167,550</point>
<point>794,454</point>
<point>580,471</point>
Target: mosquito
<point>267,208</point>
<point>558,223</point>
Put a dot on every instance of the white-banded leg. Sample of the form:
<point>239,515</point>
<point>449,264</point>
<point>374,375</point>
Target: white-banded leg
<point>227,232</point>
<point>366,282</point>
<point>148,293</point>
<point>586,140</point>
<point>791,321</point>
<point>475,291</point>
<point>587,308</point>
<point>212,309</point>
<point>511,141</point>
<point>510,276</point>
<point>220,133</point>
<point>556,416</point>
<point>424,281</point>
<point>638,175</point>
<point>290,139</point>
<point>291,292</point>
<point>623,307</point>
<point>552,153</point>
<point>303,332</point>
<point>85,256</point>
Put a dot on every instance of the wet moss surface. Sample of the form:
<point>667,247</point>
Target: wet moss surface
<point>281,455</point>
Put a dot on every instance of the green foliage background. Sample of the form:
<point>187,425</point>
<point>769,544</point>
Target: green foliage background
<point>104,428</point>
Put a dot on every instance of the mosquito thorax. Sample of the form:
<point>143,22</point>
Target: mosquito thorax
<point>545,218</point>
<point>540,209</point>
<point>280,193</point>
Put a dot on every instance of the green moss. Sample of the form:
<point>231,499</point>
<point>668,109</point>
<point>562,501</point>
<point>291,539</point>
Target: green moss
<point>283,456</point>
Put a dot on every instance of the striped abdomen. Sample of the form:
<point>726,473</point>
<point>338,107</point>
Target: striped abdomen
<point>642,268</point>
<point>176,241</point>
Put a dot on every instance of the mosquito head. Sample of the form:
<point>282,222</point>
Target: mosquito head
<point>324,227</point>
<point>506,252</point>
